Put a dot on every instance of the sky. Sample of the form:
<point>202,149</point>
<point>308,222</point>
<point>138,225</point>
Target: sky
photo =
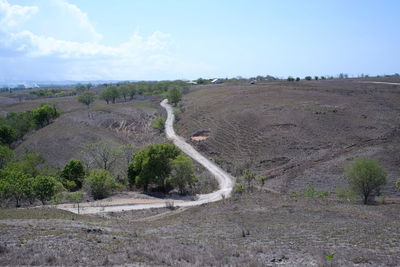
<point>55,40</point>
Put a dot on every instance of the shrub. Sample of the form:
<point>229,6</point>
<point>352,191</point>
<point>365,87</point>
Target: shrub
<point>101,184</point>
<point>7,135</point>
<point>43,187</point>
<point>73,174</point>
<point>310,192</point>
<point>290,79</point>
<point>6,155</point>
<point>158,123</point>
<point>182,173</point>
<point>398,184</point>
<point>238,189</point>
<point>308,78</point>
<point>44,114</point>
<point>365,177</point>
<point>297,79</point>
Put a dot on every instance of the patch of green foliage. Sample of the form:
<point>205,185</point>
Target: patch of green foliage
<point>158,124</point>
<point>365,177</point>
<point>101,183</point>
<point>161,165</point>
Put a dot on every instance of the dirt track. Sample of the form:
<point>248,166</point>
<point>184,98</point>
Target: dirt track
<point>225,180</point>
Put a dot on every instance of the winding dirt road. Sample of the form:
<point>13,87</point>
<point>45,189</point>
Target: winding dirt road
<point>225,180</point>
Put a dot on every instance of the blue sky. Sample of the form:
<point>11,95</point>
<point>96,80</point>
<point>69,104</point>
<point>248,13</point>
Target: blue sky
<point>163,39</point>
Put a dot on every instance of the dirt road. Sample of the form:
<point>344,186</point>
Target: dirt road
<point>225,180</point>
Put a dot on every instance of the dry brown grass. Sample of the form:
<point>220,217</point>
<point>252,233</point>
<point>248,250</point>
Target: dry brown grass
<point>297,133</point>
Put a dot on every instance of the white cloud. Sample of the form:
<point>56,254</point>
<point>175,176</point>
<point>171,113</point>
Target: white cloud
<point>13,15</point>
<point>31,49</point>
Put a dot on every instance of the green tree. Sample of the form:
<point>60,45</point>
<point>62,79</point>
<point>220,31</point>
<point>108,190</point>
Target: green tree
<point>152,166</point>
<point>308,78</point>
<point>182,173</point>
<point>30,164</point>
<point>43,187</point>
<point>125,91</point>
<point>73,173</point>
<point>114,92</point>
<point>6,155</point>
<point>101,184</point>
<point>16,185</point>
<point>106,96</point>
<point>87,98</point>
<point>174,95</point>
<point>365,176</point>
<point>7,135</point>
<point>44,114</point>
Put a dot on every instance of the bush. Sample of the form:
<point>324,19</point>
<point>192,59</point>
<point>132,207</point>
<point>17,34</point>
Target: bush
<point>238,189</point>
<point>7,135</point>
<point>308,78</point>
<point>6,155</point>
<point>44,114</point>
<point>290,79</point>
<point>182,173</point>
<point>297,79</point>
<point>398,184</point>
<point>101,184</point>
<point>73,174</point>
<point>44,187</point>
<point>159,124</point>
<point>365,177</point>
<point>152,166</point>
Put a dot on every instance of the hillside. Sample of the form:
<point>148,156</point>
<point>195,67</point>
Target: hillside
<point>297,133</point>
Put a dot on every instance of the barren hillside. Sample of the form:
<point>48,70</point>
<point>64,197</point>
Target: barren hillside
<point>297,133</point>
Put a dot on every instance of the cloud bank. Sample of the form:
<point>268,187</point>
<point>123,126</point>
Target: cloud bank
<point>55,40</point>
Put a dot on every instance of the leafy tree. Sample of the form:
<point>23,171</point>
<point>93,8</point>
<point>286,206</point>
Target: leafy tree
<point>102,155</point>
<point>152,166</point>
<point>290,79</point>
<point>43,187</point>
<point>114,92</point>
<point>101,184</point>
<point>21,122</point>
<point>159,124</point>
<point>308,78</point>
<point>6,155</point>
<point>174,95</point>
<point>16,185</point>
<point>365,176</point>
<point>7,135</point>
<point>44,114</point>
<point>297,79</point>
<point>132,90</point>
<point>125,91</point>
<point>29,165</point>
<point>316,78</point>
<point>106,96</point>
<point>73,173</point>
<point>87,98</point>
<point>182,173</point>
